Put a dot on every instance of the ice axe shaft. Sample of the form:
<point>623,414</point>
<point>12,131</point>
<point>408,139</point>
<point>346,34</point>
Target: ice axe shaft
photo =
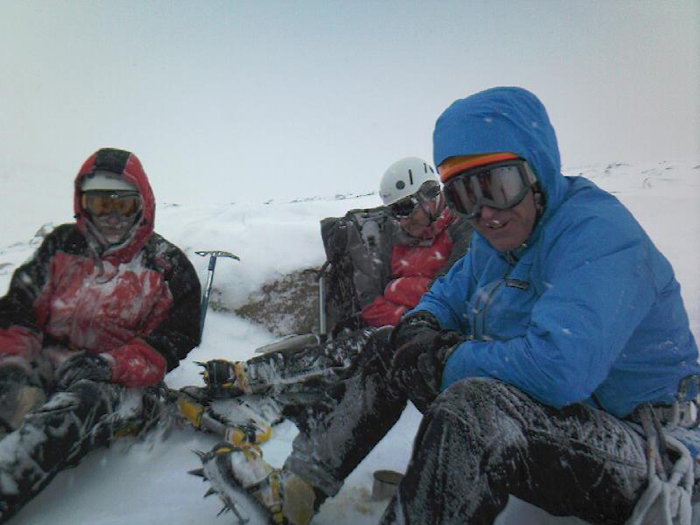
<point>320,278</point>
<point>204,305</point>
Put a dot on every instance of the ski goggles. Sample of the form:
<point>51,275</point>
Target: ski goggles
<point>403,208</point>
<point>499,185</point>
<point>102,203</point>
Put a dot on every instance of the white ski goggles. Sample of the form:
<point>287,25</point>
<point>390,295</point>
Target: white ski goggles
<point>500,185</point>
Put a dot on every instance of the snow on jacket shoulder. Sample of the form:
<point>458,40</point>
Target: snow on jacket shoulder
<point>141,315</point>
<point>588,309</point>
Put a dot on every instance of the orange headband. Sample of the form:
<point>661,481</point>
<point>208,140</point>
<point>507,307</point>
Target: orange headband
<point>472,162</point>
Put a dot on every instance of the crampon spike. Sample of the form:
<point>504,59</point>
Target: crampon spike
<point>198,472</point>
<point>199,453</point>
<point>241,519</point>
<point>209,493</point>
<point>223,511</point>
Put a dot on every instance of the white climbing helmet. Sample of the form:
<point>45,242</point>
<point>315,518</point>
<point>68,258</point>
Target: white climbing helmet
<point>403,178</point>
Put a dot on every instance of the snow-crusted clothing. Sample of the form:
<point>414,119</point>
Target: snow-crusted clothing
<point>414,265</point>
<point>135,304</point>
<point>587,309</point>
<point>59,434</point>
<point>133,308</point>
<point>482,440</point>
<point>283,374</point>
<point>354,413</point>
<point>586,312</point>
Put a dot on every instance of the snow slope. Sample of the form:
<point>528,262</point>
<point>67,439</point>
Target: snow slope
<point>146,482</point>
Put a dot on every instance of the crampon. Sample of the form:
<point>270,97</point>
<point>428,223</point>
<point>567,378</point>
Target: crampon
<point>252,489</point>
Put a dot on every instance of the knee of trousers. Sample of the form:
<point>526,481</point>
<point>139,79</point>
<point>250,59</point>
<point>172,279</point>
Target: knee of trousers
<point>483,407</point>
<point>94,396</point>
<point>474,392</point>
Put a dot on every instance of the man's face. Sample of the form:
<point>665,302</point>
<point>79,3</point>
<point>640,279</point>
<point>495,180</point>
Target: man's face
<point>114,227</point>
<point>505,229</point>
<point>418,223</point>
<point>113,213</point>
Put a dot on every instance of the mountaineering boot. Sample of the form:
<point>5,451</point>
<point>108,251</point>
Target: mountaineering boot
<point>239,475</point>
<point>224,379</point>
<point>239,427</point>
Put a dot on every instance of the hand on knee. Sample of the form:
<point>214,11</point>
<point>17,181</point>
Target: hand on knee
<point>419,358</point>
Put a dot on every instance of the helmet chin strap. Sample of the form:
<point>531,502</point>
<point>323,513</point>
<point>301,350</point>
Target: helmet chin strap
<point>439,208</point>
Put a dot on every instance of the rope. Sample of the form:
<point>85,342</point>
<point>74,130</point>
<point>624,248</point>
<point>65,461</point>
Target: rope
<point>667,498</point>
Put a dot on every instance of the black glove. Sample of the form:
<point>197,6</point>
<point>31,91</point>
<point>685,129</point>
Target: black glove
<point>81,366</point>
<point>411,325</point>
<point>420,352</point>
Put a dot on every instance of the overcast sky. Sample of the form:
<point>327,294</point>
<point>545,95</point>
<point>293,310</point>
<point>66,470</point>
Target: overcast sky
<point>231,100</point>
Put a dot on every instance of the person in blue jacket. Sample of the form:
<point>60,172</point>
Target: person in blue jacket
<point>553,362</point>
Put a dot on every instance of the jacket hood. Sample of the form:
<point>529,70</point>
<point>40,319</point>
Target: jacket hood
<point>128,166</point>
<point>503,119</point>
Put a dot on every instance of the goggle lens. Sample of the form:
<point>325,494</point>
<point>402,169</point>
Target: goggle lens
<point>429,190</point>
<point>406,206</point>
<point>499,186</point>
<point>101,204</point>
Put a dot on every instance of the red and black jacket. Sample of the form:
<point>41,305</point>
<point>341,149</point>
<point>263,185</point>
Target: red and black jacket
<point>136,304</point>
<point>415,266</point>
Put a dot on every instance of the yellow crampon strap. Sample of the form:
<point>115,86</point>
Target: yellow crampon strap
<point>253,434</point>
<point>223,450</point>
<point>241,378</point>
<point>276,496</point>
<point>191,410</point>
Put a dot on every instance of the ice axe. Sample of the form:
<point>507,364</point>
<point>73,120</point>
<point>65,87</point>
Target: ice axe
<point>213,255</point>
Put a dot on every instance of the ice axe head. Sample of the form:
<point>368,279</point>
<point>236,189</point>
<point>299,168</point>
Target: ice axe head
<point>213,255</point>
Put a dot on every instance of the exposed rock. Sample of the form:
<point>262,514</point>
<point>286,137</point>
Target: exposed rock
<point>285,306</point>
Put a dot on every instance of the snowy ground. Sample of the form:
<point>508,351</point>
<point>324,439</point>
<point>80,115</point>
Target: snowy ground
<point>146,482</point>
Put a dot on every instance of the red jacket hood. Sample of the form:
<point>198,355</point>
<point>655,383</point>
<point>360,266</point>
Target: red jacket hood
<point>127,165</point>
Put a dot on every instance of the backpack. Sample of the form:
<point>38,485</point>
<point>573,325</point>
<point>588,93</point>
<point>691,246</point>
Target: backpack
<point>358,250</point>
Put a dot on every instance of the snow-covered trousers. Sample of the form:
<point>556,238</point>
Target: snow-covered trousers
<point>300,376</point>
<point>61,432</point>
<point>479,441</point>
<point>354,413</point>
<point>482,440</point>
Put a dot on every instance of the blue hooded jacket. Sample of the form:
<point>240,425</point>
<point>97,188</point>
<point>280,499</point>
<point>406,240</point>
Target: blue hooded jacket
<point>587,310</point>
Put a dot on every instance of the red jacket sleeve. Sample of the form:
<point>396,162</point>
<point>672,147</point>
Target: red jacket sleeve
<point>406,291</point>
<point>136,364</point>
<point>17,341</point>
<point>381,312</point>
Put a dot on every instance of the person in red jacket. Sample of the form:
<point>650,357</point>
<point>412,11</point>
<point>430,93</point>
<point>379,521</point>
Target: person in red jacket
<point>422,242</point>
<point>93,321</point>
<point>425,241</point>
